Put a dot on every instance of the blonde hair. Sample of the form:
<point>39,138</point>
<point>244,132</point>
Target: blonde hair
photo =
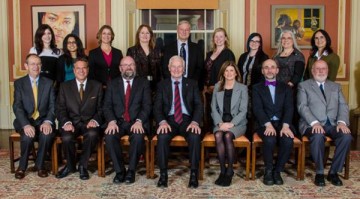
<point>226,38</point>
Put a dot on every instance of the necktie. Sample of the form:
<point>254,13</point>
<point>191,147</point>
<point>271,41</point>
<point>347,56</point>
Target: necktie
<point>35,114</point>
<point>267,83</point>
<point>183,55</point>
<point>322,90</point>
<point>177,104</point>
<point>127,101</point>
<point>81,91</point>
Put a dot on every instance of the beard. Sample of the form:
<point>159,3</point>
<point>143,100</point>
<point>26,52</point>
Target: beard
<point>321,78</point>
<point>129,74</point>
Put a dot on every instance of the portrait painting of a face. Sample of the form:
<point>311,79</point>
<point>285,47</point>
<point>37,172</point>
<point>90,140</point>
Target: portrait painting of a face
<point>62,19</point>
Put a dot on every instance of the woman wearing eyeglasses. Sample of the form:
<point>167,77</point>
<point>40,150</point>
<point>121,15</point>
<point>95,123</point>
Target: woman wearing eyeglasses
<point>72,48</point>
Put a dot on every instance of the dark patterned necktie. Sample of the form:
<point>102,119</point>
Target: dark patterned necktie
<point>183,55</point>
<point>322,90</point>
<point>81,91</point>
<point>177,104</point>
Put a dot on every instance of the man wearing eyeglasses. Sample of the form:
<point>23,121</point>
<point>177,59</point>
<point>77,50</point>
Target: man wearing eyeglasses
<point>34,108</point>
<point>127,107</point>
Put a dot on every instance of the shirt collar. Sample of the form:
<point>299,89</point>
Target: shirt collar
<point>125,80</point>
<point>180,42</point>
<point>325,53</point>
<point>173,80</point>
<point>78,83</point>
<point>36,79</point>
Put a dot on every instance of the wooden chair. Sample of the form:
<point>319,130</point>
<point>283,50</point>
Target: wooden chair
<point>329,142</point>
<point>177,141</point>
<point>15,137</point>
<point>240,142</point>
<point>125,142</point>
<point>79,139</point>
<point>257,142</point>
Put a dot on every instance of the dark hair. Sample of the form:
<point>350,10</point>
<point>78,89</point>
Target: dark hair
<point>83,59</point>
<point>314,48</point>
<point>151,42</point>
<point>98,35</point>
<point>39,44</point>
<point>80,52</point>
<point>251,36</point>
<point>222,71</point>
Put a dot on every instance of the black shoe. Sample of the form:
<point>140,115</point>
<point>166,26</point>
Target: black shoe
<point>268,177</point>
<point>163,180</point>
<point>84,174</point>
<point>19,174</point>
<point>193,182</point>
<point>119,177</point>
<point>64,172</point>
<point>277,178</point>
<point>130,177</point>
<point>319,180</point>
<point>227,180</point>
<point>220,179</point>
<point>334,179</point>
<point>42,173</point>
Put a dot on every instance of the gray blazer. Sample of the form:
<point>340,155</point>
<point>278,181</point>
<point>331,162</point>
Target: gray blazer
<point>313,106</point>
<point>239,107</point>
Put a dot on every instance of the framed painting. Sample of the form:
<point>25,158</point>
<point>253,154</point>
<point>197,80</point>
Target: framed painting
<point>62,19</point>
<point>302,20</point>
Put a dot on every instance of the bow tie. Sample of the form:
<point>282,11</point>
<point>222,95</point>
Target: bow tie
<point>267,83</point>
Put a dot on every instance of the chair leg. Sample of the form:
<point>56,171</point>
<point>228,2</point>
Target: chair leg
<point>202,163</point>
<point>253,161</point>
<point>147,159</point>
<point>100,155</point>
<point>248,149</point>
<point>347,166</point>
<point>303,155</point>
<point>11,149</point>
<point>54,158</point>
<point>152,159</point>
<point>298,177</point>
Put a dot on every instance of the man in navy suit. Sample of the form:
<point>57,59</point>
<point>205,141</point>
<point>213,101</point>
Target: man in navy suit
<point>178,111</point>
<point>324,112</point>
<point>34,108</point>
<point>189,51</point>
<point>273,109</point>
<point>127,107</point>
<point>79,112</point>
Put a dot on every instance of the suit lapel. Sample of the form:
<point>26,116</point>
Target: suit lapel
<point>40,90</point>
<point>235,95</point>
<point>102,59</point>
<point>122,91</point>
<point>317,90</point>
<point>28,90</point>
<point>220,99</point>
<point>75,90</point>
<point>134,88</point>
<point>169,90</point>
<point>267,93</point>
<point>327,91</point>
<point>190,69</point>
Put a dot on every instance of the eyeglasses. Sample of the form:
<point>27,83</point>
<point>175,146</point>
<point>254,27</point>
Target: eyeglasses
<point>254,41</point>
<point>71,42</point>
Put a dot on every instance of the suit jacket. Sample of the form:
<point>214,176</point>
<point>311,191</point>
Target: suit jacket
<point>98,68</point>
<point>256,75</point>
<point>225,55</point>
<point>195,63</point>
<point>191,98</point>
<point>140,101</point>
<point>264,108</point>
<point>313,106</point>
<point>23,105</point>
<point>71,108</point>
<point>239,106</point>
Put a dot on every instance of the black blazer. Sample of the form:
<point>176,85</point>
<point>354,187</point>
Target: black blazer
<point>263,107</point>
<point>71,108</point>
<point>195,61</point>
<point>98,68</point>
<point>256,75</point>
<point>190,94</point>
<point>140,101</point>
<point>23,105</point>
<point>225,55</point>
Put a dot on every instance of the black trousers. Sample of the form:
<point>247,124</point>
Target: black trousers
<point>91,138</point>
<point>284,143</point>
<point>193,140</point>
<point>114,148</point>
<point>27,144</point>
<point>317,148</point>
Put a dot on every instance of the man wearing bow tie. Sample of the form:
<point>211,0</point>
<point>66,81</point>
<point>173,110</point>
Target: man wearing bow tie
<point>324,112</point>
<point>273,108</point>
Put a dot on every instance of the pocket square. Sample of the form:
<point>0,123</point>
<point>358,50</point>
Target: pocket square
<point>93,97</point>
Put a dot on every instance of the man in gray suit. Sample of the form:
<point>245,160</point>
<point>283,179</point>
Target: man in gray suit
<point>324,112</point>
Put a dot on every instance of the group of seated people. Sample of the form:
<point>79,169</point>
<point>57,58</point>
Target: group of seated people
<point>111,95</point>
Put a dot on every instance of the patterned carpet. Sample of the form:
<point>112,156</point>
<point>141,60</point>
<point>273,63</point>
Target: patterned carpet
<point>33,187</point>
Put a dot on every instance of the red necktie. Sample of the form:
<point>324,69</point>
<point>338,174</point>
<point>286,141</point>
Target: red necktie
<point>177,104</point>
<point>127,101</point>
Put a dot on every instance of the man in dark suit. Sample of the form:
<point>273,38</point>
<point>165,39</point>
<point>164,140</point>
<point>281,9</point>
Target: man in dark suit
<point>191,53</point>
<point>273,109</point>
<point>127,107</point>
<point>34,108</point>
<point>79,113</point>
<point>178,111</point>
<point>324,112</point>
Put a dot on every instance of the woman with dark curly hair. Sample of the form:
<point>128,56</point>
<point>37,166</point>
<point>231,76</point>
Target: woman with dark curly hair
<point>45,48</point>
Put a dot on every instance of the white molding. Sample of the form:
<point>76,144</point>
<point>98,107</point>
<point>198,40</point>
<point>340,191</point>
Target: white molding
<point>253,16</point>
<point>119,24</point>
<point>237,26</point>
<point>354,89</point>
<point>102,12</point>
<point>5,106</point>
<point>341,35</point>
